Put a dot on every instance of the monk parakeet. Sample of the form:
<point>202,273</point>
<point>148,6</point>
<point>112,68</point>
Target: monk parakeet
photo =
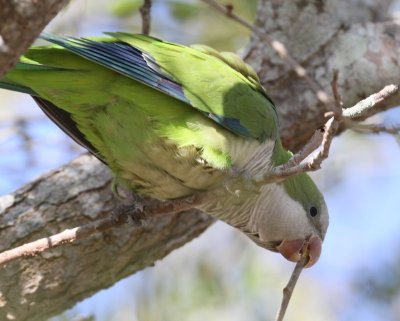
<point>171,121</point>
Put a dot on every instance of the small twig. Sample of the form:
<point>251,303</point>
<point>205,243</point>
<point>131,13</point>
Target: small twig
<point>67,236</point>
<point>278,46</point>
<point>145,12</point>
<point>293,166</point>
<point>368,106</point>
<point>313,143</point>
<point>331,128</point>
<point>123,214</point>
<point>289,288</point>
<point>362,110</point>
<point>338,104</point>
<point>84,318</point>
<point>371,128</point>
<point>298,163</point>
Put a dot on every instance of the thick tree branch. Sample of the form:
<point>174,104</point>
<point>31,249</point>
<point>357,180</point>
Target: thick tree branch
<point>276,45</point>
<point>322,37</point>
<point>20,24</point>
<point>136,214</point>
<point>76,195</point>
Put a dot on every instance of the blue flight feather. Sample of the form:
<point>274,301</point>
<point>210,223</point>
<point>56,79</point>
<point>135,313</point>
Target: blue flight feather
<point>232,124</point>
<point>122,58</point>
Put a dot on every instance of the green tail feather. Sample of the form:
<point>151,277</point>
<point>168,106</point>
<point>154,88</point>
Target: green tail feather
<point>4,84</point>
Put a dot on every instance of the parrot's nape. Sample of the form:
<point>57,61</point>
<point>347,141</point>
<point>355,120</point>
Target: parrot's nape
<point>171,121</point>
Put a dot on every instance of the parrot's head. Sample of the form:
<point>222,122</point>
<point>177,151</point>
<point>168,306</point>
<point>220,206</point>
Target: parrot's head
<point>293,219</point>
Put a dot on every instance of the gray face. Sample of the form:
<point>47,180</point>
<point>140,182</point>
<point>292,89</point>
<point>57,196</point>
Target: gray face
<point>280,219</point>
<point>277,216</point>
<point>269,215</point>
<point>319,218</point>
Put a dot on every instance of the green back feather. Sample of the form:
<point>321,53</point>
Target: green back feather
<point>213,86</point>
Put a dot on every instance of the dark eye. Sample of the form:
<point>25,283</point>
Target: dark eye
<point>313,211</point>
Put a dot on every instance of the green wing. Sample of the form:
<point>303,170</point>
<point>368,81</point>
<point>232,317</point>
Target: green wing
<point>221,86</point>
<point>213,86</point>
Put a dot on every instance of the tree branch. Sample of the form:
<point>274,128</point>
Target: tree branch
<point>276,45</point>
<point>325,43</point>
<point>289,288</point>
<point>308,159</point>
<point>76,195</point>
<point>145,12</point>
<point>371,105</point>
<point>21,23</point>
<point>136,214</point>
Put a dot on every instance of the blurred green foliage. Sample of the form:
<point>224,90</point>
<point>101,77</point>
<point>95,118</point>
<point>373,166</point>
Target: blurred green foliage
<point>184,21</point>
<point>181,10</point>
<point>380,284</point>
<point>124,8</point>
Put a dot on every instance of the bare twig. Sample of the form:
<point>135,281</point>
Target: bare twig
<point>145,12</point>
<point>363,109</point>
<point>321,139</point>
<point>298,163</point>
<point>370,105</point>
<point>338,104</point>
<point>288,290</point>
<point>67,236</point>
<point>313,143</point>
<point>372,128</point>
<point>125,213</point>
<point>278,46</point>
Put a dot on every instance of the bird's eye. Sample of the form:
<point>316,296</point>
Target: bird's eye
<point>313,211</point>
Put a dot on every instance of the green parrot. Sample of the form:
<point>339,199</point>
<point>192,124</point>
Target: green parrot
<point>171,121</point>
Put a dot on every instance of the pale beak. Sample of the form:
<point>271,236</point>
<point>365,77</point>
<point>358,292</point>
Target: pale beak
<point>292,250</point>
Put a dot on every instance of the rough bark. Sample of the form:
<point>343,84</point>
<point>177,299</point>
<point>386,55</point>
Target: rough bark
<point>21,23</point>
<point>350,36</point>
<point>322,35</point>
<point>37,288</point>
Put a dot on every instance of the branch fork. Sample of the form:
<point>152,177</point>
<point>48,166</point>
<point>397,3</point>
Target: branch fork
<point>316,150</point>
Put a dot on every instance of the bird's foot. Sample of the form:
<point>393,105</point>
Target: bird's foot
<point>142,209</point>
<point>133,214</point>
